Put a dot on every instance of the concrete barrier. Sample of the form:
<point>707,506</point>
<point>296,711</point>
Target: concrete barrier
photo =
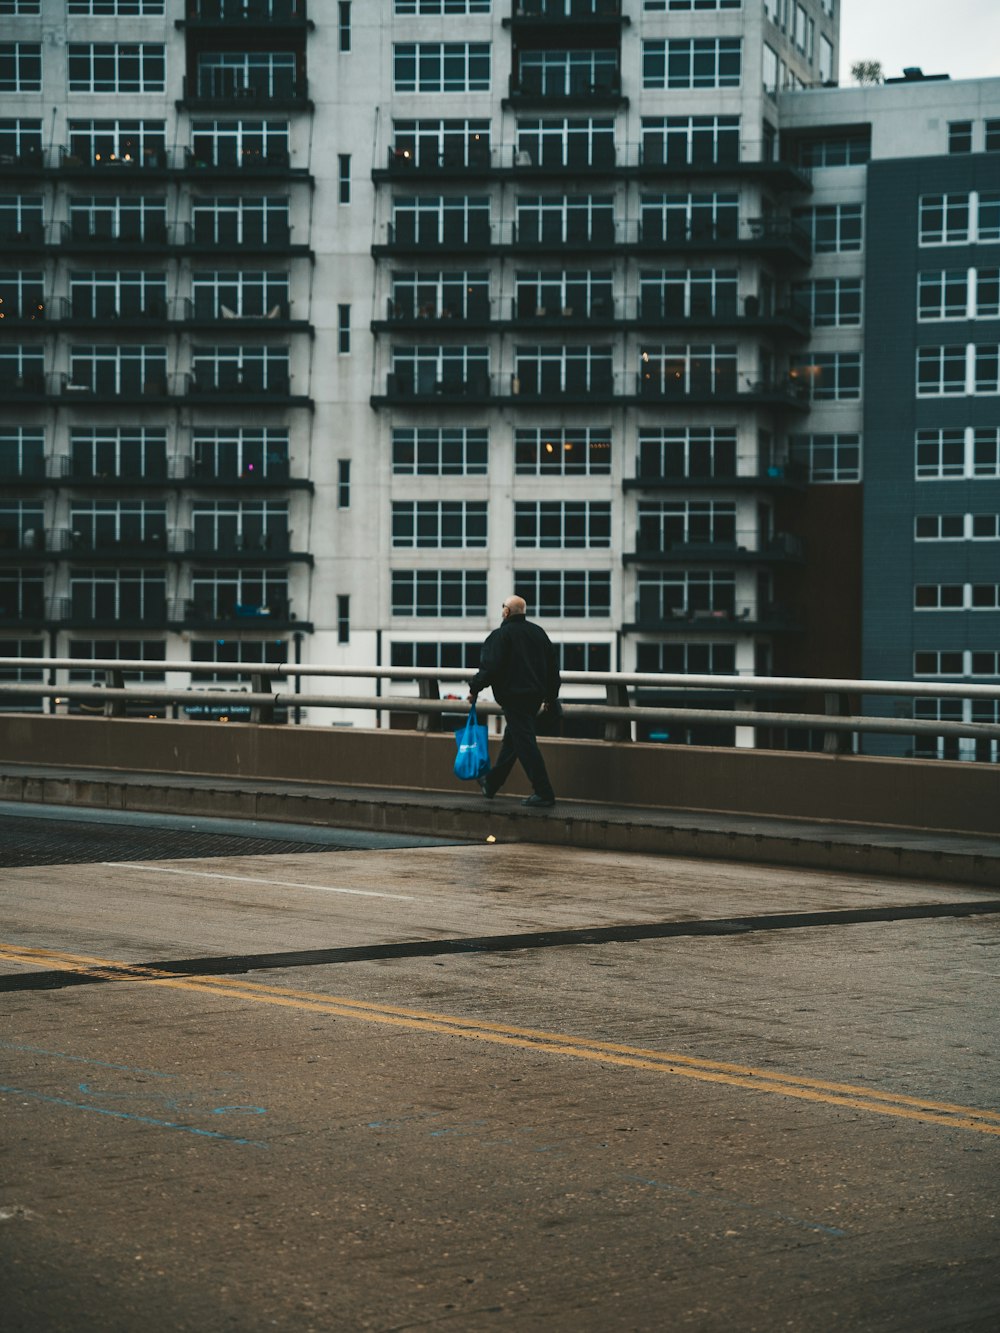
<point>901,793</point>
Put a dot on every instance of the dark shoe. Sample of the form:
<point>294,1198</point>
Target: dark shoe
<point>540,802</point>
<point>485,789</point>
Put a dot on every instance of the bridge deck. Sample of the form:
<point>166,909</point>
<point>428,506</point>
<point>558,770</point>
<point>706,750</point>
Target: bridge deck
<point>933,854</point>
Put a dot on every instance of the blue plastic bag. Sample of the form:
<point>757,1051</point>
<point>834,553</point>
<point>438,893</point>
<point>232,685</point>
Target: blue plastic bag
<point>473,757</point>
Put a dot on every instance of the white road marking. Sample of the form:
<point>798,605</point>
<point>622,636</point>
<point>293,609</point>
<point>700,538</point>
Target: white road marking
<point>247,879</point>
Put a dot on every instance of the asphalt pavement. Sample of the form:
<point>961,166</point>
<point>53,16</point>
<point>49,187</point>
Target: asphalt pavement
<point>312,1079</point>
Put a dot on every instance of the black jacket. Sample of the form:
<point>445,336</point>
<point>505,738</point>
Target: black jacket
<point>518,658</point>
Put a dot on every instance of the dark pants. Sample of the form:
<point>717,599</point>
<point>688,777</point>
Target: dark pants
<point>519,743</point>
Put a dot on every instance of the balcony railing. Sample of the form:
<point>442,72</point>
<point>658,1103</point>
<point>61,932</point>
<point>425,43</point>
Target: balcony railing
<point>76,472</point>
<point>544,385</point>
<point>533,87</point>
<point>653,617</point>
<point>244,14</point>
<point>653,547</point>
<point>273,543</point>
<point>228,613</point>
<point>565,11</point>
<point>778,476</point>
<point>104,234</point>
<point>219,89</point>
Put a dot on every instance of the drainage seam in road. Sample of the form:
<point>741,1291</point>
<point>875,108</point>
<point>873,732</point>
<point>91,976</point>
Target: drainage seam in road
<point>234,964</point>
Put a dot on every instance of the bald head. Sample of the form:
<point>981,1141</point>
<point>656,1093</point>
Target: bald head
<point>515,606</point>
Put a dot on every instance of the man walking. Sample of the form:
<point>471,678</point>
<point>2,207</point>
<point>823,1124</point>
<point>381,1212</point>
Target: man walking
<point>519,662</point>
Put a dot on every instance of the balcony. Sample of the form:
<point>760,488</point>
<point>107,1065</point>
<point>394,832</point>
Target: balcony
<point>565,13</point>
<point>135,547</point>
<point>26,545</point>
<point>103,238</point>
<point>240,388</point>
<point>90,159</point>
<point>778,477</point>
<point>261,18</point>
<point>531,88</point>
<point>202,314</point>
<point>90,311</point>
<point>461,236</point>
<point>28,238</point>
<point>206,238</point>
<point>129,389</point>
<point>273,546</point>
<point>652,548</point>
<point>30,386</point>
<point>227,163</point>
<point>28,472</point>
<point>28,162</point>
<point>23,606</point>
<point>267,475</point>
<point>769,618</point>
<point>533,387</point>
<point>656,310</point>
<point>154,472</point>
<point>224,613</point>
<point>723,160</point>
<point>218,90</point>
<point>459,161</point>
<point>780,239</point>
<point>85,612</point>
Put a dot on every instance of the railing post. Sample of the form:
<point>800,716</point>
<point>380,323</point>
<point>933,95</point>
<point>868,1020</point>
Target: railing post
<point>836,704</point>
<point>614,729</point>
<point>429,689</point>
<point>115,680</point>
<point>260,683</point>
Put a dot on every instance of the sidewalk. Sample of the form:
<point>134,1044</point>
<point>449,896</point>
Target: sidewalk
<point>947,858</point>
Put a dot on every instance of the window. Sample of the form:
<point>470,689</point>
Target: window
<point>20,67</point>
<point>115,8</point>
<point>943,294</point>
<point>691,4</point>
<point>110,143</point>
<point>664,597</point>
<point>106,369</point>
<point>244,595</point>
<point>441,67</point>
<point>22,595</point>
<point>956,597</point>
<point>436,654</point>
<point>828,376</point>
<point>992,144</point>
<point>569,73</point>
<point>343,618</point>
<point>682,217</point>
<point>240,295</point>
<point>440,451</point>
<point>960,136</point>
<point>440,370</point>
<point>116,67</point>
<point>847,150</point>
<point>958,369</point>
<point>957,527</point>
<point>439,523</point>
<point>770,69</point>
<point>439,143</point>
<point>22,296</point>
<point>343,483</point>
<point>668,523</point>
<point>130,453</point>
<point>105,525</point>
<point>543,370</point>
<point>20,141</point>
<point>118,218</point>
<point>237,652</point>
<point>456,294</point>
<point>690,140</point>
<point>986,294</point>
<point>22,648</point>
<point>344,25</point>
<point>984,664</point>
<point>687,452</point>
<point>442,7</point>
<point>112,596</point>
<point>21,217</point>
<point>692,62</point>
<point>22,369</point>
<point>939,663</point>
<point>825,59</point>
<point>828,458</point>
<point>236,369</point>
<point>18,8</point>
<point>343,178</point>
<point>562,523</point>
<point>239,143</point>
<point>259,75</point>
<point>439,592</point>
<point>107,294</point>
<point>245,221</point>
<point>22,526</point>
<point>343,329</point>
<point>682,370</point>
<point>686,659</point>
<point>944,219</point>
<point>245,454</point>
<point>588,141</point>
<point>565,219</point>
<point>240,525</point>
<point>562,451</point>
<point>562,593</point>
<point>440,220</point>
<point>22,453</point>
<point>583,656</point>
<point>830,302</point>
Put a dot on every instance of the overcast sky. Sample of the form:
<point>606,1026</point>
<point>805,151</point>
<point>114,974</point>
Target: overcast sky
<point>956,37</point>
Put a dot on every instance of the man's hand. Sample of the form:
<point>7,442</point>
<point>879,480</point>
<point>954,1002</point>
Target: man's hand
<point>471,698</point>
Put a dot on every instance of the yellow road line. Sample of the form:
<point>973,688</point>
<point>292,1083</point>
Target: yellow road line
<point>531,1039</point>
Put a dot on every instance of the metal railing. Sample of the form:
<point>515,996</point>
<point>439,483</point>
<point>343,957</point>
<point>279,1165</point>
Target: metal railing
<point>619,710</point>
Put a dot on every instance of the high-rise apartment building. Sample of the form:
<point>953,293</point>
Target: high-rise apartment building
<point>323,329</point>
